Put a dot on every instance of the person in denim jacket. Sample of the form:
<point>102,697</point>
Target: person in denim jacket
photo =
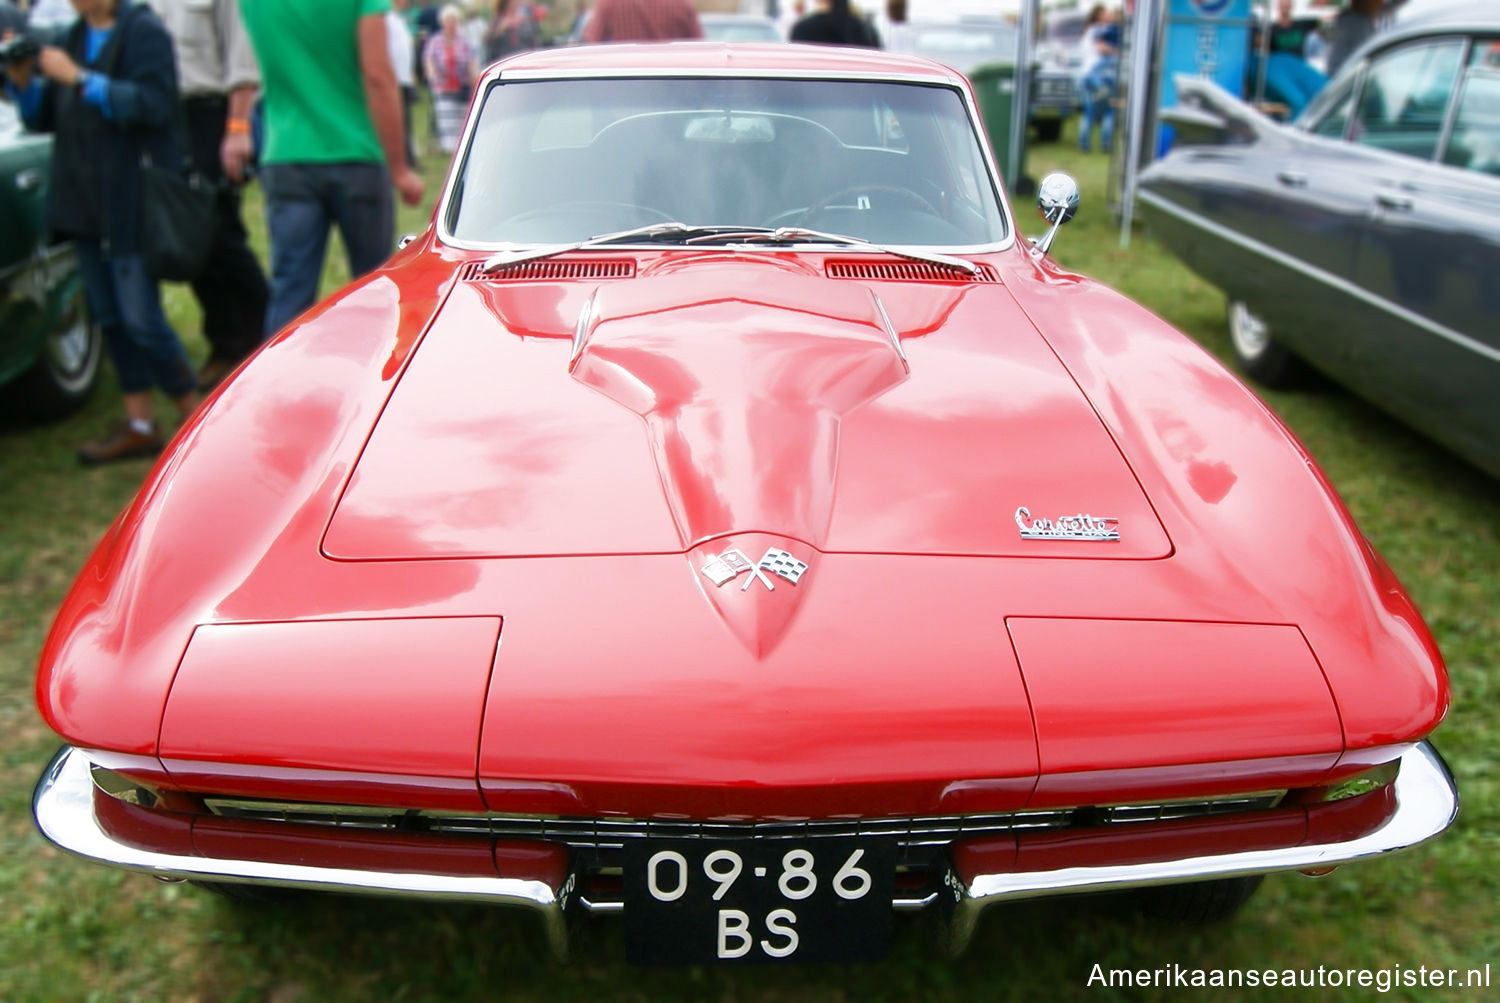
<point>107,90</point>
<point>1101,71</point>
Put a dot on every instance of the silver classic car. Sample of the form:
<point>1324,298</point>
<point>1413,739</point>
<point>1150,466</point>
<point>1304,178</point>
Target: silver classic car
<point>1363,239</point>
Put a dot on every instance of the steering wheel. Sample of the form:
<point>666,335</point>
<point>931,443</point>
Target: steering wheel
<point>904,194</point>
<point>588,213</point>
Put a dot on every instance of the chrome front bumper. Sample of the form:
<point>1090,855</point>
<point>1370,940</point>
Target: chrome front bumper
<point>1425,795</point>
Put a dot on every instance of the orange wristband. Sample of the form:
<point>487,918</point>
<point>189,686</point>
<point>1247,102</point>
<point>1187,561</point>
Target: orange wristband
<point>238,127</point>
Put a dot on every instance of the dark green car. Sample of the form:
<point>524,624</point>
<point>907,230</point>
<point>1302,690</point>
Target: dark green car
<point>49,349</point>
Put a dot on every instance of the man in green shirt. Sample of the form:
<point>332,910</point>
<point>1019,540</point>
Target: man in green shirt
<point>334,140</point>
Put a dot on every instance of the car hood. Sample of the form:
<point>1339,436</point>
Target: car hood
<point>737,394</point>
<point>209,631</point>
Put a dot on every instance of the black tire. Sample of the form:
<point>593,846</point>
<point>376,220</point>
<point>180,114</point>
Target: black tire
<point>1198,902</point>
<point>1259,354</point>
<point>64,374</point>
<point>1049,130</point>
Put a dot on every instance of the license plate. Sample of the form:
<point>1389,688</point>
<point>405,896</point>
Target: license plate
<point>736,902</point>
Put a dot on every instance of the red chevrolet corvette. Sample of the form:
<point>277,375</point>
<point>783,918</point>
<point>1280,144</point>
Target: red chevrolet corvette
<point>723,517</point>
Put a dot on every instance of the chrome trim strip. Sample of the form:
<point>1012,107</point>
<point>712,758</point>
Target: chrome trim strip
<point>63,806</point>
<point>49,257</point>
<point>601,905</point>
<point>936,78</point>
<point>915,252</point>
<point>1426,804</point>
<point>1327,278</point>
<point>582,329</point>
<point>910,904</point>
<point>890,330</point>
<point>1450,111</point>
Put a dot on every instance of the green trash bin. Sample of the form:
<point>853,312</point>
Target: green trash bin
<point>995,89</point>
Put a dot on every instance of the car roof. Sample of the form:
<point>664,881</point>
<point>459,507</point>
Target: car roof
<point>719,59</point>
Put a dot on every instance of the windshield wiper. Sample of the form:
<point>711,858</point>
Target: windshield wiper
<point>802,235</point>
<point>673,231</point>
<point>688,234</point>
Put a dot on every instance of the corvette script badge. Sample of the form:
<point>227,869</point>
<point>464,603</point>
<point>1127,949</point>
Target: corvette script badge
<point>1067,527</point>
<point>733,563</point>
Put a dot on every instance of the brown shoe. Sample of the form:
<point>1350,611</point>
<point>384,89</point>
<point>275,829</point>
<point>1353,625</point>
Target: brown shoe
<point>213,373</point>
<point>121,442</point>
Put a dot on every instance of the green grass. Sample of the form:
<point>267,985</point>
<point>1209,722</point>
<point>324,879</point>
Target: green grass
<point>73,930</point>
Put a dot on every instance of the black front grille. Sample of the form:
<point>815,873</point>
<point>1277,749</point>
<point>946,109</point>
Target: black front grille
<point>550,270</point>
<point>907,271</point>
<point>922,841</point>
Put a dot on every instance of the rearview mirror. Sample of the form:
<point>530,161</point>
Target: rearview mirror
<point>730,129</point>
<point>1057,200</point>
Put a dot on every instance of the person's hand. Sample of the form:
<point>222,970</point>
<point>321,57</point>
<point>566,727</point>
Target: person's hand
<point>56,64</point>
<point>408,185</point>
<point>235,152</point>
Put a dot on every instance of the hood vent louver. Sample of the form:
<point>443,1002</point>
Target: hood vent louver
<point>546,271</point>
<point>905,271</point>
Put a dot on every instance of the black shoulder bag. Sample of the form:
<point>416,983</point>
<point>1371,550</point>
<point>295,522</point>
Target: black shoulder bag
<point>179,215</point>
<point>179,209</point>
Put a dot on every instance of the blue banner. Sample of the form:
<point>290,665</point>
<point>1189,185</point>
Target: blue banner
<point>1205,38</point>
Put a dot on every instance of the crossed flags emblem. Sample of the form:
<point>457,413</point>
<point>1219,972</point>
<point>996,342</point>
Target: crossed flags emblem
<point>732,563</point>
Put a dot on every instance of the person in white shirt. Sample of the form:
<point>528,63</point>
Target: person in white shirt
<point>403,60</point>
<point>219,82</point>
<point>1088,42</point>
<point>1098,76</point>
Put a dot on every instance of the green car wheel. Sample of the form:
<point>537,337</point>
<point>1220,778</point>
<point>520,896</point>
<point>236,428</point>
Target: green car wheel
<point>65,371</point>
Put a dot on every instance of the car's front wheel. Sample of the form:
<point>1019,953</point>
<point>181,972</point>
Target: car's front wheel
<point>64,374</point>
<point>1259,354</point>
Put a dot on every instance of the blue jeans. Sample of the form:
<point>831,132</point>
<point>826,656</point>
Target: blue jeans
<point>1099,103</point>
<point>126,303</point>
<point>303,201</point>
<point>1291,80</point>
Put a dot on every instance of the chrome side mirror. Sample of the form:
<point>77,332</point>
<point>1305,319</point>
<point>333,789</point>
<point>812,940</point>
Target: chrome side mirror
<point>1057,200</point>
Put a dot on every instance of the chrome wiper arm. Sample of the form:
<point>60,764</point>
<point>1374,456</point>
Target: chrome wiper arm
<point>689,234</point>
<point>730,234</point>
<point>653,231</point>
<point>802,235</point>
<point>503,259</point>
<point>773,235</point>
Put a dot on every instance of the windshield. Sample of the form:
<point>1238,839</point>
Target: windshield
<point>563,160</point>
